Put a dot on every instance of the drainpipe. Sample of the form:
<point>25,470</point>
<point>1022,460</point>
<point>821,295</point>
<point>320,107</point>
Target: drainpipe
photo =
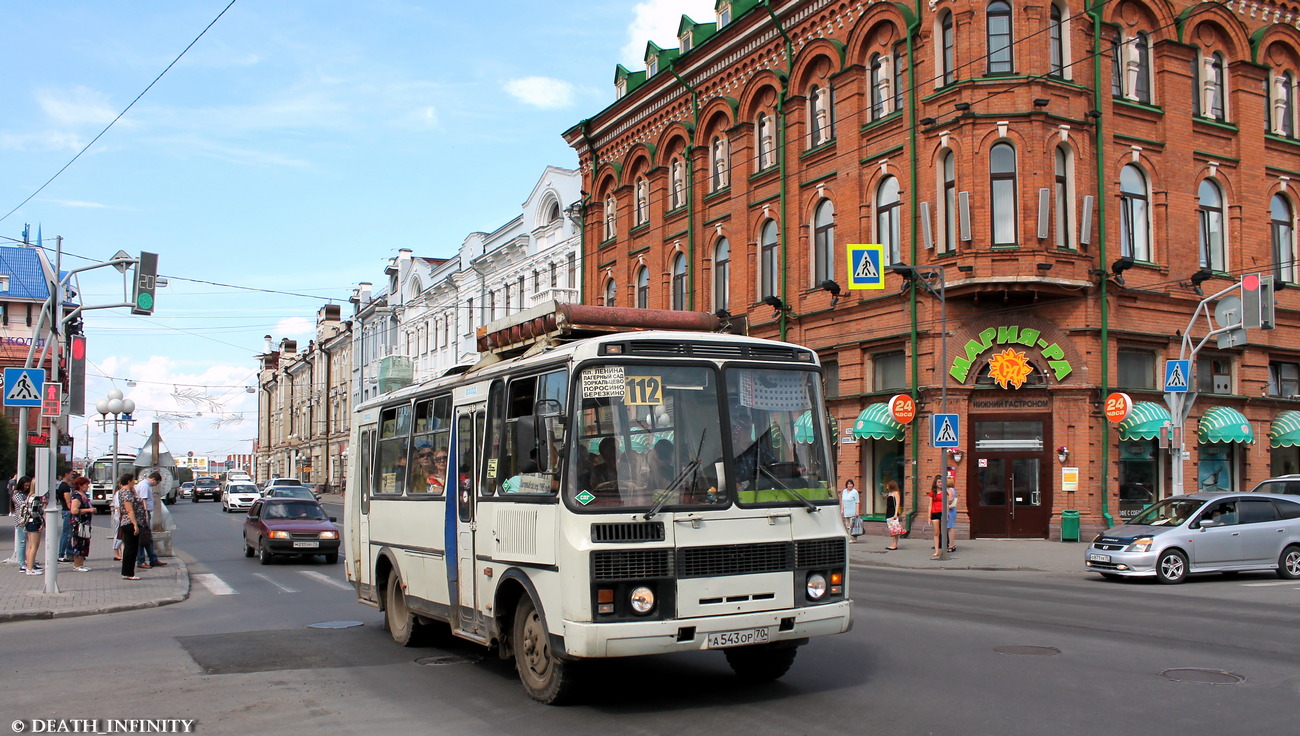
<point>690,189</point>
<point>1099,144</point>
<point>582,228</point>
<point>781,156</point>
<point>912,30</point>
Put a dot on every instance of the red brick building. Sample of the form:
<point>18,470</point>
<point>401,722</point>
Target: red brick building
<point>1070,179</point>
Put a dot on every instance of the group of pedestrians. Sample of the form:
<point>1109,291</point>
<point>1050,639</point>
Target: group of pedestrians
<point>132,508</point>
<point>943,511</point>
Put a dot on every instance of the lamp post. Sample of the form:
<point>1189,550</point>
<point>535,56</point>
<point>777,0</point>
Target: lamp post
<point>916,274</point>
<point>120,410</point>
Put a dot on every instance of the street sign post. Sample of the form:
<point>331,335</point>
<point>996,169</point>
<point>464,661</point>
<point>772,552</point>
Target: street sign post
<point>945,430</point>
<point>866,266</point>
<point>23,386</point>
<point>1176,375</point>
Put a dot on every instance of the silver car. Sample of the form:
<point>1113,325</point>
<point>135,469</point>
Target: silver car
<point>1203,532</point>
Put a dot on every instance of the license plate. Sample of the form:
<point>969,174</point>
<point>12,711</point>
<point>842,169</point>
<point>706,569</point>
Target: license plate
<point>305,545</point>
<point>1099,558</point>
<point>724,639</point>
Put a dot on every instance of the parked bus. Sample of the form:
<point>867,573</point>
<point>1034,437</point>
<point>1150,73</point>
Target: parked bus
<point>102,480</point>
<point>617,494</point>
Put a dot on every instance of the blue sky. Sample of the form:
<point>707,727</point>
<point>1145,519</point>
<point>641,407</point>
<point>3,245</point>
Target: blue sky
<point>294,148</point>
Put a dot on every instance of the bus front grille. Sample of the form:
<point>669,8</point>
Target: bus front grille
<point>630,564</point>
<point>734,559</point>
<point>642,531</point>
<point>811,553</point>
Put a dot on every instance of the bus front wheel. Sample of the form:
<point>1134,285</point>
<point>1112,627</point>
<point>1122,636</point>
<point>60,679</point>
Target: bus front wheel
<point>403,625</point>
<point>546,677</point>
<point>760,663</point>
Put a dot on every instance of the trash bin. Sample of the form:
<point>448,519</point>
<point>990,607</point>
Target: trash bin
<point>1069,525</point>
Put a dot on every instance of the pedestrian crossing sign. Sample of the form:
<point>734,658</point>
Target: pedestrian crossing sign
<point>945,430</point>
<point>866,266</point>
<point>23,386</point>
<point>1176,373</point>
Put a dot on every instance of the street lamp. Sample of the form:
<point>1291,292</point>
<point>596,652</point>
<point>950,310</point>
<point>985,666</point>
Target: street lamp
<point>916,275</point>
<point>121,410</point>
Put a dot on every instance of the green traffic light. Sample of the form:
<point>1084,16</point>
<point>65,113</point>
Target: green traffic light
<point>144,301</point>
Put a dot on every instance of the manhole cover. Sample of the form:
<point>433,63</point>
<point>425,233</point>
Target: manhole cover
<point>335,625</point>
<point>446,659</point>
<point>1203,676</point>
<point>1028,651</point>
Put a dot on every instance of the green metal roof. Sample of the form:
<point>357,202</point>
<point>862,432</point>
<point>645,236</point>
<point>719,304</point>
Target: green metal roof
<point>1222,424</point>
<point>1144,422</point>
<point>875,422</point>
<point>1285,430</point>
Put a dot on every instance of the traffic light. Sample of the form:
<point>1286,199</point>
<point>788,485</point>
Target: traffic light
<point>77,375</point>
<point>1257,302</point>
<point>146,283</point>
<point>1267,303</point>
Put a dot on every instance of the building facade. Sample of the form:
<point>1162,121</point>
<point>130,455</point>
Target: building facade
<point>1054,187</point>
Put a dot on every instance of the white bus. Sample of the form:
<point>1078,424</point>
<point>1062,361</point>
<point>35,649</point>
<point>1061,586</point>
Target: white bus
<point>637,492</point>
<point>102,482</point>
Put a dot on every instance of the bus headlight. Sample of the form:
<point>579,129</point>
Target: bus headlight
<point>642,600</point>
<point>816,586</point>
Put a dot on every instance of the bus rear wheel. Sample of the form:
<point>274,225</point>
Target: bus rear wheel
<point>547,678</point>
<point>403,626</point>
<point>760,663</point>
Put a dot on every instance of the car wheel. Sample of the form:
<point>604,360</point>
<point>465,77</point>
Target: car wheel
<point>760,663</point>
<point>403,626</point>
<point>547,678</point>
<point>1171,568</point>
<point>248,551</point>
<point>264,554</point>
<point>332,558</point>
<point>1288,565</point>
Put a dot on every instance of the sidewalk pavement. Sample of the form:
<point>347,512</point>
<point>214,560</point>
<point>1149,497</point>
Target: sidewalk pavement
<point>102,590</point>
<point>914,553</point>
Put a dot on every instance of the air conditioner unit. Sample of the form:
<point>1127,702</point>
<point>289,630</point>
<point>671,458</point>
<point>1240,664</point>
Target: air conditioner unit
<point>1222,384</point>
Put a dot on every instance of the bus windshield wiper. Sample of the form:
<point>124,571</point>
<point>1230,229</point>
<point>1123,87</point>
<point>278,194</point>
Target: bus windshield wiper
<point>811,508</point>
<point>690,469</point>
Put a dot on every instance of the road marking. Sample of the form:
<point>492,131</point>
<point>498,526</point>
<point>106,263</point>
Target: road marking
<point>267,578</point>
<point>323,578</point>
<point>1265,585</point>
<point>214,584</point>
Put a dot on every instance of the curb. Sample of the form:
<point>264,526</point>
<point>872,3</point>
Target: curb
<point>183,570</point>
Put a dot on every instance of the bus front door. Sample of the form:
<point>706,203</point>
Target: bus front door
<point>469,429</point>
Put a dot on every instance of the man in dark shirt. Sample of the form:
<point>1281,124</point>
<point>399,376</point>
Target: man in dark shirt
<point>64,492</point>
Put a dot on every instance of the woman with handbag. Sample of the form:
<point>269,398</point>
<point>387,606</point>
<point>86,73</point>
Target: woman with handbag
<point>130,524</point>
<point>81,513</point>
<point>893,506</point>
<point>33,519</point>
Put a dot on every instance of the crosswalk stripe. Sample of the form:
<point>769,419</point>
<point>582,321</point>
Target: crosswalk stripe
<point>283,588</point>
<point>322,577</point>
<point>214,584</point>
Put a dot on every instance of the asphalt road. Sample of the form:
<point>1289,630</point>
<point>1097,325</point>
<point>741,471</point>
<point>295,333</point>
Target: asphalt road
<point>932,652</point>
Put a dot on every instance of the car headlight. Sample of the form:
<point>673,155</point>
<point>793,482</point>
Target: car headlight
<point>642,600</point>
<point>1141,544</point>
<point>329,535</point>
<point>816,586</point>
<point>281,535</point>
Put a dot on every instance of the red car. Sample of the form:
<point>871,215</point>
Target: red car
<point>289,526</point>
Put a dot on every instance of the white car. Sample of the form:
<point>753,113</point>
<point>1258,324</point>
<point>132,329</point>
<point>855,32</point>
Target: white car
<point>238,496</point>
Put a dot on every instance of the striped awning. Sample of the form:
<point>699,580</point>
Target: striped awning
<point>1222,425</point>
<point>1144,421</point>
<point>876,423</point>
<point>1285,430</point>
<point>803,428</point>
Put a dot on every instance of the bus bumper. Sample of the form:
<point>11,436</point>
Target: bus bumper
<point>626,639</point>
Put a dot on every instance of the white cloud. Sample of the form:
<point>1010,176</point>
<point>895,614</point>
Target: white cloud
<point>78,203</point>
<point>292,326</point>
<point>657,20</point>
<point>75,107</point>
<point>544,92</point>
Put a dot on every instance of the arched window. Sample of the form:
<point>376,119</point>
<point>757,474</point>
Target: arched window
<point>1116,66</point>
<point>552,213</point>
<point>1282,229</point>
<point>823,242</point>
<point>948,167</point>
<point>722,275</point>
<point>679,282</point>
<point>998,17</point>
<point>820,125</point>
<point>1002,183</point>
<point>1064,169</point>
<point>1282,115</point>
<point>766,143</point>
<point>768,261</point>
<point>1210,230</point>
<point>1141,65</point>
<point>948,45</point>
<point>677,197</point>
<point>1056,54</point>
<point>900,71</point>
<point>610,230</point>
<point>1134,215</point>
<point>642,201</point>
<point>881,98</point>
<point>720,153</point>
<point>611,291</point>
<point>1213,87</point>
<point>643,288</point>
<point>888,215</point>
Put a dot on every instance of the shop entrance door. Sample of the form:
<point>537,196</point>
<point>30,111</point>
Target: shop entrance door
<point>1009,479</point>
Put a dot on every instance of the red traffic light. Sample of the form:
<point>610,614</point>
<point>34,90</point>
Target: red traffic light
<point>1250,282</point>
<point>78,347</point>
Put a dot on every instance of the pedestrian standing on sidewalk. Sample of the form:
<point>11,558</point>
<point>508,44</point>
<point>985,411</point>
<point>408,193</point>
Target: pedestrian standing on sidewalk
<point>893,506</point>
<point>18,500</point>
<point>34,523</point>
<point>82,513</point>
<point>145,495</point>
<point>936,494</point>
<point>951,516</point>
<point>115,508</point>
<point>131,521</point>
<point>63,492</point>
<point>849,506</point>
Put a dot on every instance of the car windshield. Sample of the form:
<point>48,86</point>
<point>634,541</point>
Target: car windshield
<point>243,489</point>
<point>294,510</point>
<point>1169,512</point>
<point>292,493</point>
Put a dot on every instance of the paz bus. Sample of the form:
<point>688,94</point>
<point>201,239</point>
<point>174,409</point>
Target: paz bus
<point>102,482</point>
<point>604,483</point>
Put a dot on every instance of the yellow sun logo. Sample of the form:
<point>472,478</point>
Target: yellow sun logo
<point>1009,367</point>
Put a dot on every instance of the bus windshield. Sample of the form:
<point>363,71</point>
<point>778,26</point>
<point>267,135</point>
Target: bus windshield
<point>777,437</point>
<point>646,435</point>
